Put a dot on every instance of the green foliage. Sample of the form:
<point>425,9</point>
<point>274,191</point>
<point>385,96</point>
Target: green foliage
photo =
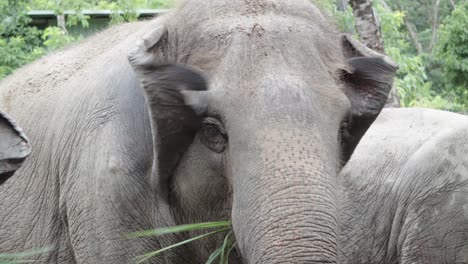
<point>78,19</point>
<point>15,52</point>
<point>438,102</point>
<point>452,51</point>
<point>161,3</point>
<point>222,253</point>
<point>19,43</point>
<point>411,82</point>
<point>55,38</point>
<point>419,13</point>
<point>343,19</point>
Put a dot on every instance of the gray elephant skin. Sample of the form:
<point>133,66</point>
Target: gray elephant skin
<point>404,193</point>
<point>254,129</point>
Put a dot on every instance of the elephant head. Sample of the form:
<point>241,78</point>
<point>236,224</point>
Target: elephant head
<point>255,106</point>
<point>14,147</point>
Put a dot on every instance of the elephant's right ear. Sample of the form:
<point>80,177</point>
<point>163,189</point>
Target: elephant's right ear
<point>367,78</point>
<point>14,147</point>
<point>171,91</point>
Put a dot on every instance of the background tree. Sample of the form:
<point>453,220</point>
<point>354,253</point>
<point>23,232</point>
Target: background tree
<point>368,29</point>
<point>367,25</point>
<point>452,51</point>
<point>19,43</point>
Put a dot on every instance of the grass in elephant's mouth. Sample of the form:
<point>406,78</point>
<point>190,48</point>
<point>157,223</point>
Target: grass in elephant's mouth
<point>16,258</point>
<point>222,253</point>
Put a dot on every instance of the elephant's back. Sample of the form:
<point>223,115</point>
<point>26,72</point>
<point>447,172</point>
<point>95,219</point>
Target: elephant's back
<point>409,139</point>
<point>405,130</point>
<point>53,74</point>
<point>405,187</point>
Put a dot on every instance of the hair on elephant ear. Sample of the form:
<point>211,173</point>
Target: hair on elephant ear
<point>14,147</point>
<point>367,83</point>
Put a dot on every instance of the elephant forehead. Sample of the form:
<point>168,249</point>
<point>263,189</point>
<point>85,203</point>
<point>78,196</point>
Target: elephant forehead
<point>268,58</point>
<point>243,43</point>
<point>206,10</point>
<point>257,36</point>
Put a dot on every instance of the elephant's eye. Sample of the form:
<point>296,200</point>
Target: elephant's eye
<point>213,135</point>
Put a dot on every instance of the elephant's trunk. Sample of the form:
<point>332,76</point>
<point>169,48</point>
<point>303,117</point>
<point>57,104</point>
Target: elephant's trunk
<point>284,203</point>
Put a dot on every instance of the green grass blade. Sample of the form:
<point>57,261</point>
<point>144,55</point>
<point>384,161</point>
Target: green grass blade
<point>226,261</point>
<point>227,243</point>
<point>18,261</point>
<point>181,228</point>
<point>14,258</point>
<point>214,255</point>
<point>154,253</point>
<point>23,254</point>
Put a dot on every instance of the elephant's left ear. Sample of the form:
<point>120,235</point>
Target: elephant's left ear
<point>14,147</point>
<point>367,80</point>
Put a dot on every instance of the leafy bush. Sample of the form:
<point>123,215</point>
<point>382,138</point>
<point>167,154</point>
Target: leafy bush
<point>19,43</point>
<point>411,82</point>
<point>54,38</point>
<point>452,51</point>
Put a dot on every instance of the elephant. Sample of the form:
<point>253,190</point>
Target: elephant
<point>403,194</point>
<point>14,147</point>
<point>231,109</point>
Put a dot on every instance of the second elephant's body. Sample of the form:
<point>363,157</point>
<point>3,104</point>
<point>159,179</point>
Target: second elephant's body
<point>404,196</point>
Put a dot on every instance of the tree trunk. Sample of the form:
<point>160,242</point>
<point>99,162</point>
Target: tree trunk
<point>435,24</point>
<point>366,24</point>
<point>61,17</point>
<point>342,4</point>
<point>414,36</point>
<point>61,23</point>
<point>452,2</point>
<point>368,29</point>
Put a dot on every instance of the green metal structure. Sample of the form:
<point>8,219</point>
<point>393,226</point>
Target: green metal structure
<point>99,19</point>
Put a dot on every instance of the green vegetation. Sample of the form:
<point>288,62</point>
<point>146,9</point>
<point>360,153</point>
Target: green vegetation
<point>420,81</point>
<point>222,253</point>
<point>24,257</point>
<point>21,43</point>
<point>428,39</point>
<point>452,51</point>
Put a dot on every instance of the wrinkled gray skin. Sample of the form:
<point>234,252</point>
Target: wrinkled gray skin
<point>254,129</point>
<point>404,192</point>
